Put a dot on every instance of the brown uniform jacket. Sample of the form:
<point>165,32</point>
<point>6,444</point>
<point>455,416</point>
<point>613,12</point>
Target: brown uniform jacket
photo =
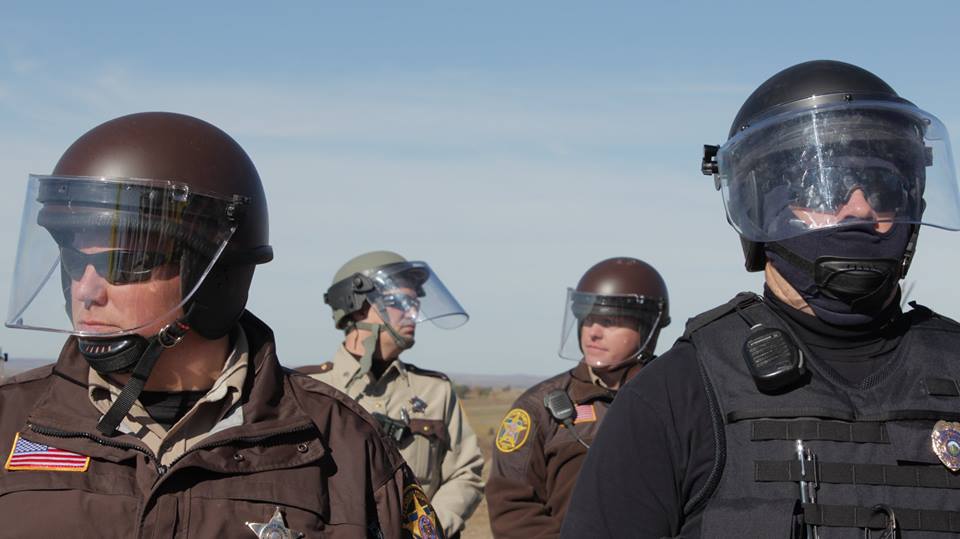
<point>536,460</point>
<point>303,448</point>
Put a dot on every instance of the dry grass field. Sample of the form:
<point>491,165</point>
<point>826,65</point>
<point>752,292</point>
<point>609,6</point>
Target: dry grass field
<point>484,414</point>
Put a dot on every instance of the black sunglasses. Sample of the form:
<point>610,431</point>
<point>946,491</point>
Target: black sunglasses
<point>117,266</point>
<point>829,188</point>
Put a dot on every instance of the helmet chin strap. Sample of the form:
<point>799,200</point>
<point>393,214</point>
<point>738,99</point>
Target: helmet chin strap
<point>402,342</point>
<point>372,343</point>
<point>130,351</point>
<point>113,355</point>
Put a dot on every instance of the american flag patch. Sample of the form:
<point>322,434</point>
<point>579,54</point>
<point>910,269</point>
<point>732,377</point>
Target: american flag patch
<point>585,414</point>
<point>27,455</point>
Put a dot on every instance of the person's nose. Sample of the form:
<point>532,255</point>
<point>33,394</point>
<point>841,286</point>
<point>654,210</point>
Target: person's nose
<point>595,331</point>
<point>857,206</point>
<point>91,289</point>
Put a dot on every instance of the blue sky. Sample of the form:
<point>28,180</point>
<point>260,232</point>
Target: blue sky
<point>510,145</point>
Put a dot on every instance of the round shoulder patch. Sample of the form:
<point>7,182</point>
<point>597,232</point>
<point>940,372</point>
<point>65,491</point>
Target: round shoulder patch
<point>514,430</point>
<point>421,519</point>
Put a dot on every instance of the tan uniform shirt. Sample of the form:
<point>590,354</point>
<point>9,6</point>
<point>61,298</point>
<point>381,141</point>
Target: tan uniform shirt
<point>441,448</point>
<point>217,410</point>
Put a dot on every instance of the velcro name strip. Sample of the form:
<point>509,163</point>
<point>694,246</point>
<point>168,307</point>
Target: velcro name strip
<point>941,387</point>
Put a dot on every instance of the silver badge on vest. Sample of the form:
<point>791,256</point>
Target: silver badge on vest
<point>946,443</point>
<point>276,528</point>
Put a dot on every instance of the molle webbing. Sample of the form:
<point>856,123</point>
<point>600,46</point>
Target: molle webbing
<point>812,429</point>
<point>905,414</point>
<point>921,476</point>
<point>851,516</point>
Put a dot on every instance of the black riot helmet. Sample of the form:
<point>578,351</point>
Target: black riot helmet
<point>815,133</point>
<point>140,199</point>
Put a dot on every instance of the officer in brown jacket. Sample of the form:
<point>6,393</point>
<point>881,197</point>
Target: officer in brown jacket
<point>611,325</point>
<point>378,299</point>
<point>167,413</point>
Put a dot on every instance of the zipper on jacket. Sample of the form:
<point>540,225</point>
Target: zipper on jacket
<point>57,433</point>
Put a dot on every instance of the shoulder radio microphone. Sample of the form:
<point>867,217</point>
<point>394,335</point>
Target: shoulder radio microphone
<point>561,408</point>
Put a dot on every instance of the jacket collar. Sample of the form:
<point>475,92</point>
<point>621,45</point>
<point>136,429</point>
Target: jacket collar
<point>65,405</point>
<point>583,389</point>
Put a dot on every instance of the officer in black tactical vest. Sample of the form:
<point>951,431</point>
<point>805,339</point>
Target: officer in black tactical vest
<point>818,409</point>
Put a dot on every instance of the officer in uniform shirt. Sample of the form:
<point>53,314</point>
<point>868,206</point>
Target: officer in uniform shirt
<point>378,299</point>
<point>167,412</point>
<point>819,409</point>
<point>611,325</point>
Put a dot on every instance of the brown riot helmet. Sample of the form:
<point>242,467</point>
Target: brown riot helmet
<point>139,198</point>
<point>618,290</point>
<point>187,151</point>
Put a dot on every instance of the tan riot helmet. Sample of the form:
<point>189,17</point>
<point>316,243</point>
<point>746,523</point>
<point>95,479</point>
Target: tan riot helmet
<point>392,284</point>
<point>404,293</point>
<point>386,280</point>
<point>149,226</point>
<point>620,291</point>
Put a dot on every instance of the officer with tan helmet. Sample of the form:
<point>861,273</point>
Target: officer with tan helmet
<point>378,299</point>
<point>611,325</point>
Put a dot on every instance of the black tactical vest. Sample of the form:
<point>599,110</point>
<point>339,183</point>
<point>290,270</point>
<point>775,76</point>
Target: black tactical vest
<point>872,455</point>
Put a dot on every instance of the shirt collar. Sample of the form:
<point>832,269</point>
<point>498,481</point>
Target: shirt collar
<point>584,386</point>
<point>346,365</point>
<point>596,380</point>
<point>103,391</point>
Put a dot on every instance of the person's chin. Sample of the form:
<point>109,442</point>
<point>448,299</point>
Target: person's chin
<point>598,362</point>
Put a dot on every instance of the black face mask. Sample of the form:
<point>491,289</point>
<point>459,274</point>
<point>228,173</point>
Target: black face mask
<point>846,275</point>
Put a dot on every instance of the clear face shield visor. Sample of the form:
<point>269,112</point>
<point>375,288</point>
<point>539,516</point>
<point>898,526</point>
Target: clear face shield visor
<point>837,165</point>
<point>106,257</point>
<point>605,330</point>
<point>410,293</point>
